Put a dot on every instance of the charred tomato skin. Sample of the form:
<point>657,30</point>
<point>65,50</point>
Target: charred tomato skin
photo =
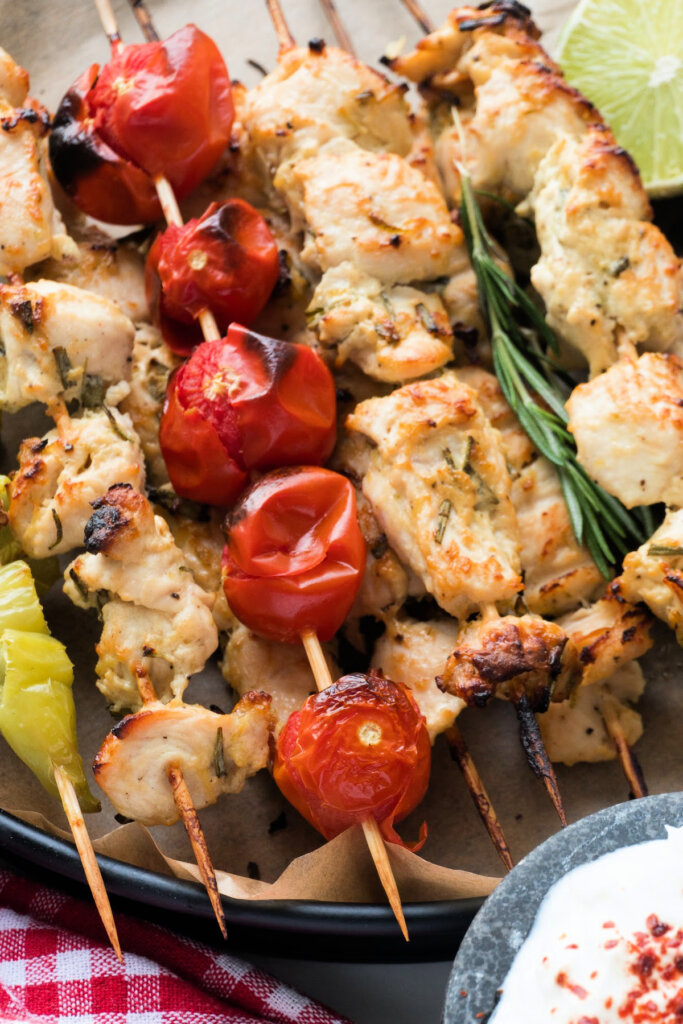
<point>359,749</point>
<point>161,108</point>
<point>100,182</point>
<point>225,261</point>
<point>295,555</point>
<point>240,403</point>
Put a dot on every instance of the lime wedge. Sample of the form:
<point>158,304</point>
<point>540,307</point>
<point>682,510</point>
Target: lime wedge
<point>626,56</point>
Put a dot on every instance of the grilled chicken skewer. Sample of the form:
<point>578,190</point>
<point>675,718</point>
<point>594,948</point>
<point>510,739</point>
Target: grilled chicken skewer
<point>456,741</point>
<point>585,426</point>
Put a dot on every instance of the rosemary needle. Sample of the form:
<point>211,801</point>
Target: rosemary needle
<point>536,390</point>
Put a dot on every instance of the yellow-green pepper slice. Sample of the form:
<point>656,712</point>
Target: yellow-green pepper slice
<point>19,604</point>
<point>37,712</point>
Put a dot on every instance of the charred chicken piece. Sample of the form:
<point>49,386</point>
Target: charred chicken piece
<point>61,474</point>
<point>526,657</point>
<point>153,612</point>
<point>59,343</point>
<point>216,753</point>
<point>608,634</point>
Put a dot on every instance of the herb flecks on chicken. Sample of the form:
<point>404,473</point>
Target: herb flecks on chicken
<point>522,345</point>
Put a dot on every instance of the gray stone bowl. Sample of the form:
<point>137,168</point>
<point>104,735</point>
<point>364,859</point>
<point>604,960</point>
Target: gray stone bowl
<point>502,924</point>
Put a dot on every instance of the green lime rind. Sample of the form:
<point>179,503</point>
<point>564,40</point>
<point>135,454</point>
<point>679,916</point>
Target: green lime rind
<point>626,56</point>
<point>37,712</point>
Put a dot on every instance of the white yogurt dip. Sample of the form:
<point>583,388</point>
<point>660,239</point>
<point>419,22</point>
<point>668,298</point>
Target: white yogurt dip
<point>607,944</point>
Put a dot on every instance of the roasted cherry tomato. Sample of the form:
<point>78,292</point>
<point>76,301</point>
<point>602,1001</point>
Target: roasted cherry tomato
<point>244,402</point>
<point>295,555</point>
<point>101,182</point>
<point>161,108</point>
<point>226,261</point>
<point>358,750</point>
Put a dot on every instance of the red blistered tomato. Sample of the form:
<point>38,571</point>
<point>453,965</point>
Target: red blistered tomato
<point>358,750</point>
<point>244,402</point>
<point>226,261</point>
<point>166,106</point>
<point>295,555</point>
<point>161,108</point>
<point>101,182</point>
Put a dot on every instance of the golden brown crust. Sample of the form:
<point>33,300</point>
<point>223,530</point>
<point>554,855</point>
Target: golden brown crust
<point>508,657</point>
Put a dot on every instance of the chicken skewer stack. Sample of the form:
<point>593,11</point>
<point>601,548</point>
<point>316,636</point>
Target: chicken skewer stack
<point>33,370</point>
<point>481,799</point>
<point>558,98</point>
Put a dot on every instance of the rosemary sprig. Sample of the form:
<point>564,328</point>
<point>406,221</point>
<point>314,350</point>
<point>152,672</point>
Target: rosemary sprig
<point>536,389</point>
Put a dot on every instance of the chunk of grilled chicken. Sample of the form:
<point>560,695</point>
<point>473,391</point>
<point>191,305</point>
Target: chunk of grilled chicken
<point>59,343</point>
<point>153,612</point>
<point>393,333</point>
<point>605,273</point>
<point>386,582</point>
<point>280,670</point>
<point>151,367</point>
<point>574,730</point>
<point>415,653</point>
<point>558,572</point>
<point>514,100</point>
<point>216,754</point>
<point>201,542</point>
<point>14,80</point>
<point>608,634</point>
<point>113,269</point>
<point>628,427</point>
<point>654,573</point>
<point>316,94</point>
<point>439,488</point>
<point>30,227</point>
<point>608,276</point>
<point>373,210</point>
<point>510,657</point>
<point>62,473</point>
<point>517,446</point>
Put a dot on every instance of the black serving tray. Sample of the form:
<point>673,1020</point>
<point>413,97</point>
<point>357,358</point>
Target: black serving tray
<point>299,929</point>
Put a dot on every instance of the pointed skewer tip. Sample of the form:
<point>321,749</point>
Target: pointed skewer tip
<point>380,857</point>
<point>84,846</point>
<point>537,755</point>
<point>482,801</point>
<point>188,813</point>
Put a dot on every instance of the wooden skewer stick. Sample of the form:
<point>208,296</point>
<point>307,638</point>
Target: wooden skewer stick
<point>530,734</point>
<point>371,830</point>
<point>286,40</point>
<point>536,754</point>
<point>108,19</point>
<point>421,16</point>
<point>482,801</point>
<point>338,27</point>
<point>83,843</point>
<point>144,20</point>
<point>629,762</point>
<point>183,801</point>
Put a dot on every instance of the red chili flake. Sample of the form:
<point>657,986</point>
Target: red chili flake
<point>612,943</point>
<point>463,992</point>
<point>609,924</point>
<point>563,981</point>
<point>572,945</point>
<point>588,1020</point>
<point>594,974</point>
<point>608,1003</point>
<point>656,926</point>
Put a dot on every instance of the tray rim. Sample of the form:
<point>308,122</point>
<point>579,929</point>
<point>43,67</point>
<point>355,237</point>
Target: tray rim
<point>294,929</point>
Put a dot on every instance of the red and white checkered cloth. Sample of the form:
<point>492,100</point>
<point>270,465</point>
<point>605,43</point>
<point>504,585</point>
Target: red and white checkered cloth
<point>56,968</point>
